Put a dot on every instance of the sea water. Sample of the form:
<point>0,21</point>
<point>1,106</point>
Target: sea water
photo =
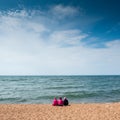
<point>42,89</point>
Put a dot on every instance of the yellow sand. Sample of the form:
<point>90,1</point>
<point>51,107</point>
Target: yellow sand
<point>107,111</point>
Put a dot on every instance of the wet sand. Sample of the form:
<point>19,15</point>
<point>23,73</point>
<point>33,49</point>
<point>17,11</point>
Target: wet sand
<point>106,111</point>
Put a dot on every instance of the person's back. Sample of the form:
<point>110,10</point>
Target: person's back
<point>55,102</point>
<point>65,101</point>
<point>60,102</point>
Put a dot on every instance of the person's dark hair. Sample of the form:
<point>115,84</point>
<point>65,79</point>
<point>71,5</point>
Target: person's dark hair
<point>60,98</point>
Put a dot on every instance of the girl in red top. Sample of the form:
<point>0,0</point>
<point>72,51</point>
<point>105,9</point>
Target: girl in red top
<point>55,102</point>
<point>60,102</point>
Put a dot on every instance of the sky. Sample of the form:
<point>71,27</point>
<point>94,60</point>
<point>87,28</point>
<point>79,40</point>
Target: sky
<point>59,37</point>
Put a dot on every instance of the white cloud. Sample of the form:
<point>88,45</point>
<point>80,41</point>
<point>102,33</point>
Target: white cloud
<point>36,27</point>
<point>18,13</point>
<point>15,21</point>
<point>62,11</point>
<point>113,43</point>
<point>67,37</point>
<point>27,46</point>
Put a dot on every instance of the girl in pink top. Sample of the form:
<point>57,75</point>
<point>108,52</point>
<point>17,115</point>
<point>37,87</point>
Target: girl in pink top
<point>60,102</point>
<point>55,102</point>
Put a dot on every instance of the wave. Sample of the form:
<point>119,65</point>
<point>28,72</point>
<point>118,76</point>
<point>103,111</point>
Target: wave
<point>81,94</point>
<point>13,100</point>
<point>64,87</point>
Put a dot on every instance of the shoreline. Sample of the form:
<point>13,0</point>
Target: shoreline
<point>75,111</point>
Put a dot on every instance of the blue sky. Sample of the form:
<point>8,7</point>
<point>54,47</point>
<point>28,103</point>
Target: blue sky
<point>59,37</point>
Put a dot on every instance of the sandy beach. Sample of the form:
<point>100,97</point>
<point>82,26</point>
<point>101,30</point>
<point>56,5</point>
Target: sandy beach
<point>106,111</point>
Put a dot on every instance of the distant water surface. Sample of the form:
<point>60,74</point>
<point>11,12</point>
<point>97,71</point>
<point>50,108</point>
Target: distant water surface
<point>42,89</point>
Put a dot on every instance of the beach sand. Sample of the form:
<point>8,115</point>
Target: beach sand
<point>106,111</point>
